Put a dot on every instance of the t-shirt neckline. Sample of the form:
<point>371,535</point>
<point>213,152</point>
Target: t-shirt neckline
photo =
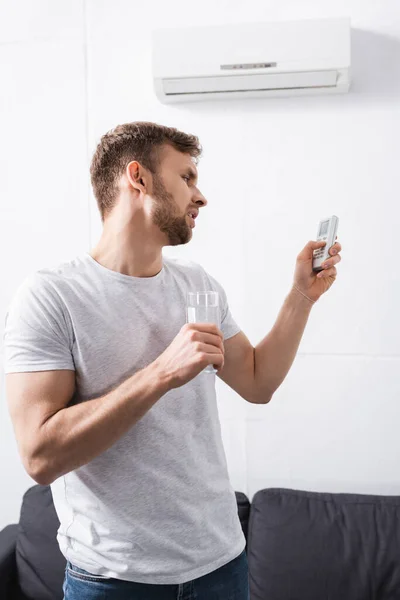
<point>127,278</point>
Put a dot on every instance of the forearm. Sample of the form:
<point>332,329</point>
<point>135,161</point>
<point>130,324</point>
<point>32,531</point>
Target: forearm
<point>275,354</point>
<point>77,434</point>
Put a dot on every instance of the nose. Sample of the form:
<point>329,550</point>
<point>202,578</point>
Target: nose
<point>199,199</point>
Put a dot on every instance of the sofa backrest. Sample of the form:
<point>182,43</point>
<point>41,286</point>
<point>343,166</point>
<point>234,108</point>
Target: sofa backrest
<point>301,546</point>
<point>318,546</point>
<point>40,564</point>
<point>243,511</point>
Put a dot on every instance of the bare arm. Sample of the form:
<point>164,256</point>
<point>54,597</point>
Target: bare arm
<point>275,354</point>
<point>54,438</point>
<point>256,373</point>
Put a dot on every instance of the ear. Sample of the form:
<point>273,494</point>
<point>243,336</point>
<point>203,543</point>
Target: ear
<point>137,176</point>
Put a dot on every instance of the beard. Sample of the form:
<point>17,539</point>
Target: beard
<point>166,215</point>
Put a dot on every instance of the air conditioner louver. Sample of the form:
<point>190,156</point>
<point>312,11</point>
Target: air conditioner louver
<point>245,83</point>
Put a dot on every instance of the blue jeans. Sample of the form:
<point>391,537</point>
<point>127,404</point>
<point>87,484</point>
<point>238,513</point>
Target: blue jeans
<point>229,582</point>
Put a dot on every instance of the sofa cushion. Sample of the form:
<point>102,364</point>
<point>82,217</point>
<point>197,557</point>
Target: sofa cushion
<point>319,546</point>
<point>40,564</point>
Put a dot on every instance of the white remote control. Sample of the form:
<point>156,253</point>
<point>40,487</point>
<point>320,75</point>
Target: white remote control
<point>327,232</point>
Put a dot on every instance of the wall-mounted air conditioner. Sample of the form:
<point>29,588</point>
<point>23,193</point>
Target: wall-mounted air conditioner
<point>252,60</point>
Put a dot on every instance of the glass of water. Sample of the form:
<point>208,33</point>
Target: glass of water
<point>203,307</point>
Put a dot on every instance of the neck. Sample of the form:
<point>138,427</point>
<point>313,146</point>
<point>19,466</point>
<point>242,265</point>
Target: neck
<point>128,250</point>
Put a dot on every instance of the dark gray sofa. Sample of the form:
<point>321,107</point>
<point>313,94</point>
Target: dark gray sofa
<point>300,546</point>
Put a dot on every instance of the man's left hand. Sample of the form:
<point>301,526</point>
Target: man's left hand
<point>314,284</point>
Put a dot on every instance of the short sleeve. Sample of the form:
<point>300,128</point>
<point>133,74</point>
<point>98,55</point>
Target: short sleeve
<point>229,326</point>
<point>37,335</point>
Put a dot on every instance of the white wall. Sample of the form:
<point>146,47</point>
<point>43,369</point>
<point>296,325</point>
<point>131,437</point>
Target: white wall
<point>44,215</point>
<point>271,169</point>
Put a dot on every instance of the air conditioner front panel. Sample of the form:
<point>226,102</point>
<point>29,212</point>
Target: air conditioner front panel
<point>293,46</point>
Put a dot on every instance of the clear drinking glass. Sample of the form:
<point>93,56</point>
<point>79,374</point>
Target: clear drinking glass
<point>203,307</point>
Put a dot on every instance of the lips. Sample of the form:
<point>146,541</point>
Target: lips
<point>193,214</point>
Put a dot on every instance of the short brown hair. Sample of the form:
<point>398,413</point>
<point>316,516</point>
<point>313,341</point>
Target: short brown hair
<point>139,141</point>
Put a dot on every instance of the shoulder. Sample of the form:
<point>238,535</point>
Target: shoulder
<point>43,286</point>
<point>193,271</point>
<point>187,271</point>
<point>54,275</point>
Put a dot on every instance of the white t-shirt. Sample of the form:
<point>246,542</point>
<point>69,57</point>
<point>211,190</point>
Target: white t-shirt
<point>156,507</point>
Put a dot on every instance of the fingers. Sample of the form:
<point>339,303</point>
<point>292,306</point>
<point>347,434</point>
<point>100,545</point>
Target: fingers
<point>327,273</point>
<point>201,338</point>
<point>208,338</point>
<point>205,328</point>
<point>307,253</point>
<point>331,262</point>
<point>217,360</point>
<point>336,248</point>
<point>208,349</point>
<point>212,340</point>
<point>315,245</point>
<point>209,353</point>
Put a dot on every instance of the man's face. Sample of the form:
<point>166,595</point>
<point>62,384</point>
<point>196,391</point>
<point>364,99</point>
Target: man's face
<point>175,196</point>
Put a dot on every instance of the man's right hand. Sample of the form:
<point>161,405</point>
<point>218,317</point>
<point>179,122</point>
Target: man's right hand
<point>196,346</point>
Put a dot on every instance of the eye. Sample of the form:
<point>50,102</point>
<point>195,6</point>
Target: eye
<point>186,178</point>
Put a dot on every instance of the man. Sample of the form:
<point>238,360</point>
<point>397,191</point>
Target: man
<point>106,393</point>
